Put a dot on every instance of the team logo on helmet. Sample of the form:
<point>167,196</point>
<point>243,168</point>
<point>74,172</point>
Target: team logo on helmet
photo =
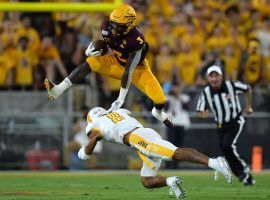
<point>122,19</point>
<point>95,113</point>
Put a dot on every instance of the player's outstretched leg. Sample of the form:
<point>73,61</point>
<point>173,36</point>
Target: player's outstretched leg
<point>163,117</point>
<point>148,83</point>
<point>192,155</point>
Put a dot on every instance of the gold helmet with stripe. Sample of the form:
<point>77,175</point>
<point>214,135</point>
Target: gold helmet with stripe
<point>122,19</point>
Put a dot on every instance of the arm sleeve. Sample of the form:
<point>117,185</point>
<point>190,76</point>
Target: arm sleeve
<point>88,128</point>
<point>201,105</point>
<point>240,87</point>
<point>131,64</point>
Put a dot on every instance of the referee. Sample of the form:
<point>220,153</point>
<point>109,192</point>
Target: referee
<point>221,97</point>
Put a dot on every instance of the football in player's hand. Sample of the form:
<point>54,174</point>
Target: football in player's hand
<point>101,46</point>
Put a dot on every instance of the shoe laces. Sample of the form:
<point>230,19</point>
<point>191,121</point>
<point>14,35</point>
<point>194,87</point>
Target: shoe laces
<point>176,186</point>
<point>223,168</point>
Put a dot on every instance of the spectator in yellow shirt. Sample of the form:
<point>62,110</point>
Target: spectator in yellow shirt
<point>5,71</point>
<point>164,63</point>
<point>218,40</point>
<point>264,7</point>
<point>25,65</point>
<point>28,31</point>
<point>8,39</point>
<point>238,40</point>
<point>217,18</point>
<point>194,38</point>
<point>166,37</point>
<point>49,59</point>
<point>179,25</point>
<point>252,62</point>
<point>187,62</point>
<point>231,62</point>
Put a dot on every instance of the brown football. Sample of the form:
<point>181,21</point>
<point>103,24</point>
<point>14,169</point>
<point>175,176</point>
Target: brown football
<point>100,45</point>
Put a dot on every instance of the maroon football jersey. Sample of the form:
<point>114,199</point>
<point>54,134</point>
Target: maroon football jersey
<point>124,45</point>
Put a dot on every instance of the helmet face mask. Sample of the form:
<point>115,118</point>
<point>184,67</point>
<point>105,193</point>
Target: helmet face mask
<point>118,29</point>
<point>95,113</point>
<point>122,20</point>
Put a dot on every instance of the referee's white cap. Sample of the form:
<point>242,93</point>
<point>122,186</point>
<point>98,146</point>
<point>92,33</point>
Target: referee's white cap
<point>214,68</point>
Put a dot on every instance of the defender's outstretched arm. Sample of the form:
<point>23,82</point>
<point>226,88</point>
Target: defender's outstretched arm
<point>86,151</point>
<point>133,61</point>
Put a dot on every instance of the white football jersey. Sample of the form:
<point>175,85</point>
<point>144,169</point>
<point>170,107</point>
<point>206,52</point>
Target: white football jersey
<point>114,125</point>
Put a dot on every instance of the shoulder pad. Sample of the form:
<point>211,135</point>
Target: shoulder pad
<point>134,40</point>
<point>88,128</point>
<point>125,111</point>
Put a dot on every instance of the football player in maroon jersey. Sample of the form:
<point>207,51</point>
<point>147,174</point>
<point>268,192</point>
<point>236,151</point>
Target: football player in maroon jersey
<point>127,63</point>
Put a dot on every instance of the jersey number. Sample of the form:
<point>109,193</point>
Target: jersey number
<point>140,40</point>
<point>115,117</point>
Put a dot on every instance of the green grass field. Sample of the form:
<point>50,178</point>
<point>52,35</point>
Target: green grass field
<point>123,186</point>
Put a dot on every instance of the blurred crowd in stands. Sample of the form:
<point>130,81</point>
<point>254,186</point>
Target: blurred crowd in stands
<point>185,36</point>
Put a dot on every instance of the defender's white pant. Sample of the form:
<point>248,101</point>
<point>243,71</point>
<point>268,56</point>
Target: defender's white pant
<point>151,148</point>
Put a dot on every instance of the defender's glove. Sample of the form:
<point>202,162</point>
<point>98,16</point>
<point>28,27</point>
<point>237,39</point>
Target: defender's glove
<point>82,155</point>
<point>116,105</point>
<point>90,51</point>
<point>119,101</point>
<point>54,91</point>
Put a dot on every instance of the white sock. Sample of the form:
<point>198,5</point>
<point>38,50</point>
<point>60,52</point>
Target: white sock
<point>157,110</point>
<point>65,84</point>
<point>212,163</point>
<point>169,181</point>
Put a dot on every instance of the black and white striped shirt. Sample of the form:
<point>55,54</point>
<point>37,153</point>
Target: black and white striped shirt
<point>224,103</point>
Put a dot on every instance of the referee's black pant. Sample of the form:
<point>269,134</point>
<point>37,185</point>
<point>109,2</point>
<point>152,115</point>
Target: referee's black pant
<point>228,137</point>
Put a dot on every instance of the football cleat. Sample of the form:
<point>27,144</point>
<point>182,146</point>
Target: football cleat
<point>176,189</point>
<point>49,86</point>
<point>163,117</point>
<point>54,91</point>
<point>223,168</point>
<point>247,179</point>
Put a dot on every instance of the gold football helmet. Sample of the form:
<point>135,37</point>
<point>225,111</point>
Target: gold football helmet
<point>122,19</point>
